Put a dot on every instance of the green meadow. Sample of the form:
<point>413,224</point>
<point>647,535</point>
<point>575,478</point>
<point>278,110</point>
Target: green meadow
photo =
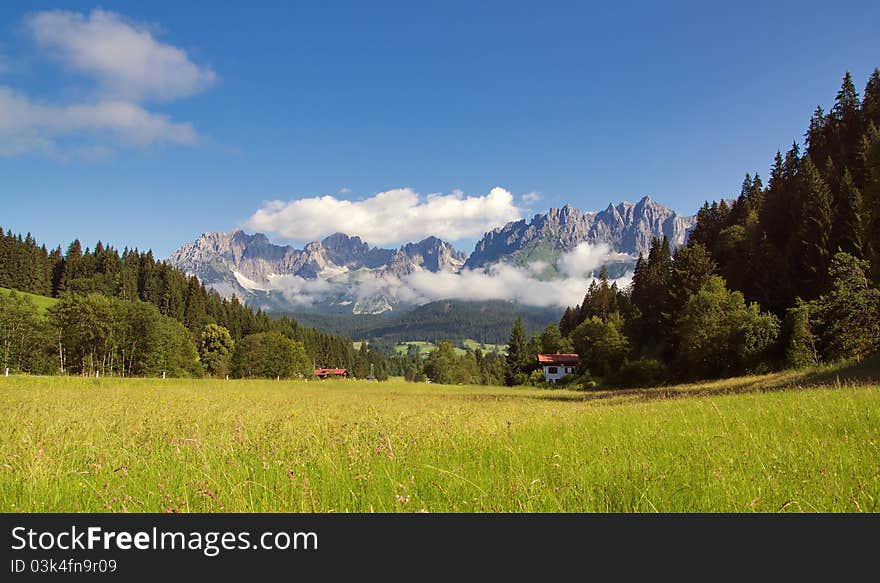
<point>788,442</point>
<point>42,303</point>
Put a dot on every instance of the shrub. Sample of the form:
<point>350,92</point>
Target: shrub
<point>644,372</point>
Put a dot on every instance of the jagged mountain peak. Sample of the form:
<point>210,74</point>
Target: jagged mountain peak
<point>235,261</point>
<point>626,227</point>
<point>341,239</point>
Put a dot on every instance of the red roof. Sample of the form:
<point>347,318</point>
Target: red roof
<point>558,358</point>
<point>330,371</point>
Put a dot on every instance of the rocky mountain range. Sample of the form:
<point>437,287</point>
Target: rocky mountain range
<point>236,262</point>
<point>343,274</point>
<point>627,227</point>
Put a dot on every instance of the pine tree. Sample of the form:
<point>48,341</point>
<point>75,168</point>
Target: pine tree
<point>871,101</point>
<point>849,224</point>
<point>774,214</point>
<point>846,121</point>
<point>194,312</point>
<point>569,321</point>
<point>692,267</point>
<point>517,352</point>
<point>57,265</point>
<point>871,191</point>
<point>72,265</point>
<point>817,136</point>
<point>815,229</point>
<point>742,206</point>
<point>650,296</point>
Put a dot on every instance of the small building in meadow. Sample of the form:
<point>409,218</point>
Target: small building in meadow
<point>331,373</point>
<point>557,365</point>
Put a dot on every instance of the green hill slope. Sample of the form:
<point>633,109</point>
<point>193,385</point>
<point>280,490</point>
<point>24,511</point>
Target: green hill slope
<point>43,303</point>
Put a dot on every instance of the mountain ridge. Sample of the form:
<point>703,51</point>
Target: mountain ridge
<point>627,227</point>
<point>271,275</point>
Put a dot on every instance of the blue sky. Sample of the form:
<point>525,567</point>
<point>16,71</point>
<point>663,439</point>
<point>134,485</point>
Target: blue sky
<point>251,102</point>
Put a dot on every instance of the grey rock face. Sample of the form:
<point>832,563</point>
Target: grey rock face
<point>627,227</point>
<point>214,256</point>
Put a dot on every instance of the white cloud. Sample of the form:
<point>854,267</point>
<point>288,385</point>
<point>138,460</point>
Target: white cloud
<point>586,259</point>
<point>531,197</point>
<point>388,217</point>
<point>130,67</point>
<point>300,290</point>
<point>500,281</point>
<point>26,126</point>
<point>124,56</point>
<point>538,267</point>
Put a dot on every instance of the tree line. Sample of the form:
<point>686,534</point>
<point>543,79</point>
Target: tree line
<point>128,314</point>
<point>486,322</point>
<point>780,276</point>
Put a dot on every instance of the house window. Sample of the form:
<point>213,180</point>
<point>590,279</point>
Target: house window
<point>569,370</point>
<point>552,370</point>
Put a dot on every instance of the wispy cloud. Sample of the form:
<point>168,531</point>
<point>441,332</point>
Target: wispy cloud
<point>586,259</point>
<point>531,197</point>
<point>388,217</point>
<point>124,56</point>
<point>27,126</point>
<point>129,67</point>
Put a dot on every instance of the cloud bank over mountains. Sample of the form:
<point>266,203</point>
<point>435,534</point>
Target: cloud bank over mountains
<point>125,67</point>
<point>388,217</point>
<point>500,281</point>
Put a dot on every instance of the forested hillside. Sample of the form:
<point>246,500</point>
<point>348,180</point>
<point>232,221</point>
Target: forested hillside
<point>776,243</point>
<point>101,291</point>
<point>782,275</point>
<point>486,322</point>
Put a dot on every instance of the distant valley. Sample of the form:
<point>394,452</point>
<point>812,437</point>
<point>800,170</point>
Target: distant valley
<point>486,322</point>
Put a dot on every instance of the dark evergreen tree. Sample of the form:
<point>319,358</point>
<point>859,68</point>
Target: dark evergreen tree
<point>847,126</point>
<point>871,193</point>
<point>815,230</point>
<point>871,101</point>
<point>650,297</point>
<point>517,354</point>
<point>849,229</point>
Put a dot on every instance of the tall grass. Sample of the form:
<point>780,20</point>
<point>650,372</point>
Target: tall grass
<point>137,445</point>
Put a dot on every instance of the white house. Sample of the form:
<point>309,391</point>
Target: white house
<point>557,366</point>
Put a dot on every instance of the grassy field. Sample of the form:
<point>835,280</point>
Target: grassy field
<point>754,444</point>
<point>43,303</point>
